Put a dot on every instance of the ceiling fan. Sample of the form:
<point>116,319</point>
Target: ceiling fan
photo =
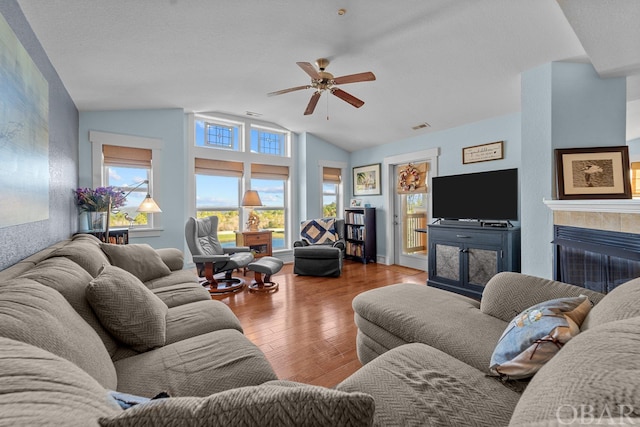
<point>322,80</point>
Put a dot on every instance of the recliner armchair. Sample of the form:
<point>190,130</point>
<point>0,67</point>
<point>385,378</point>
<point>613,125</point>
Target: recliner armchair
<point>318,253</point>
<point>211,258</point>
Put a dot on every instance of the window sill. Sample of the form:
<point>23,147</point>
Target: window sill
<point>145,232</point>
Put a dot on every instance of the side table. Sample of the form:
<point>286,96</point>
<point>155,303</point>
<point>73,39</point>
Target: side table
<point>260,242</point>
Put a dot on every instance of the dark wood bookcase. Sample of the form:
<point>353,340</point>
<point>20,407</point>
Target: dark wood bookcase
<point>360,234</point>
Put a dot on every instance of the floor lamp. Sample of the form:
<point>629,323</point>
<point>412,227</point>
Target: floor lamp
<point>148,205</point>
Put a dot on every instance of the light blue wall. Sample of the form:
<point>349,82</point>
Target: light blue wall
<point>563,105</point>
<point>451,142</point>
<point>313,151</point>
<point>167,125</point>
<point>20,241</point>
<point>634,150</point>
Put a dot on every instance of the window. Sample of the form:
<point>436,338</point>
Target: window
<point>270,182</point>
<point>125,168</point>
<point>331,179</point>
<point>635,179</point>
<point>267,141</point>
<point>218,134</point>
<point>217,190</point>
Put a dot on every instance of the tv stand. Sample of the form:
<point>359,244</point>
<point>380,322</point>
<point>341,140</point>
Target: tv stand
<point>462,258</point>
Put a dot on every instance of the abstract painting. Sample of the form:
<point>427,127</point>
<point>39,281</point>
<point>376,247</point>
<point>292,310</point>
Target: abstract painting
<point>24,134</point>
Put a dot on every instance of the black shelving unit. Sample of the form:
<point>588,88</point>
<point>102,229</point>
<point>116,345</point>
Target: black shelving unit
<point>360,234</point>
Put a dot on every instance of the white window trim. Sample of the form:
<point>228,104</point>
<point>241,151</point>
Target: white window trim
<point>343,166</point>
<point>430,156</point>
<point>99,139</point>
<point>247,157</point>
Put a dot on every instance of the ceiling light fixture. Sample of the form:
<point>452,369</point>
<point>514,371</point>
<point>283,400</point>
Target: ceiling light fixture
<point>342,11</point>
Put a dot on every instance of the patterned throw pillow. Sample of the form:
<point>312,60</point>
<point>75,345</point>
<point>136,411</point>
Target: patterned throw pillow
<point>128,309</point>
<point>534,336</point>
<point>318,231</point>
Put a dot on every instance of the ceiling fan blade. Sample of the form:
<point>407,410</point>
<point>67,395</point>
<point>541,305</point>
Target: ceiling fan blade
<point>291,89</point>
<point>312,103</point>
<point>309,69</point>
<point>347,97</point>
<point>353,78</point>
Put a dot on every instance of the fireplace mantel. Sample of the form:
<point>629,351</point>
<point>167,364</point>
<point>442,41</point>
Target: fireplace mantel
<point>624,206</point>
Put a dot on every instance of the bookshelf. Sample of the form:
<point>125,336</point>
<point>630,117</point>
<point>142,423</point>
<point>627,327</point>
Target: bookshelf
<point>360,234</point>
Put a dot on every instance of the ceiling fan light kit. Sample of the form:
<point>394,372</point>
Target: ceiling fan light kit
<point>322,80</point>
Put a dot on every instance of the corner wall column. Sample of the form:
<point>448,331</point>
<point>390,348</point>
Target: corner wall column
<point>564,105</point>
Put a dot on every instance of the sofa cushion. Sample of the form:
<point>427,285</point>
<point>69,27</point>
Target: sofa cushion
<point>39,388</point>
<point>180,294</point>
<point>534,336</point>
<point>85,251</point>
<point>319,231</point>
<point>127,309</point>
<point>622,302</point>
<point>40,316</point>
<point>197,318</point>
<point>141,260</point>
<point>418,385</point>
<point>68,278</point>
<point>197,366</point>
<point>277,403</point>
<point>413,312</point>
<point>509,293</point>
<point>596,373</point>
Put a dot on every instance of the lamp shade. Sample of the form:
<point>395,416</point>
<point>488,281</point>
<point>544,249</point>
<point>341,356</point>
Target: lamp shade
<point>251,198</point>
<point>149,205</point>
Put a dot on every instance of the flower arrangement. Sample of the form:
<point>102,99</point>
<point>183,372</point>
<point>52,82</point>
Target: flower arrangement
<point>97,199</point>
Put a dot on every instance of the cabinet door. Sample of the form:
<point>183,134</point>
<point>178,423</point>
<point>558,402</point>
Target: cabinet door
<point>482,264</point>
<point>447,262</point>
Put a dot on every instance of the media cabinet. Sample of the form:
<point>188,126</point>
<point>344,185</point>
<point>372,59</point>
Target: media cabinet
<point>463,257</point>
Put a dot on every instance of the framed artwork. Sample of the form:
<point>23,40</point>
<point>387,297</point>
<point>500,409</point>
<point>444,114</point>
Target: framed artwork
<point>356,203</point>
<point>366,180</point>
<point>483,153</point>
<point>593,173</point>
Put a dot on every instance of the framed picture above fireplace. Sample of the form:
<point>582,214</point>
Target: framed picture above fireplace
<point>593,173</point>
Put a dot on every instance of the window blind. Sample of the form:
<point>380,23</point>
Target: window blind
<point>218,167</point>
<point>269,171</point>
<point>332,175</point>
<point>114,155</point>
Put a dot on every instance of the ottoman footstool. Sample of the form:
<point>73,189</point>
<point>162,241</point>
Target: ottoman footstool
<point>268,266</point>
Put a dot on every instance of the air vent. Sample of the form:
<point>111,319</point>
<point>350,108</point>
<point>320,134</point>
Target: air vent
<point>421,126</point>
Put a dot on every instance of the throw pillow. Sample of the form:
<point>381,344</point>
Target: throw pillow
<point>127,309</point>
<point>141,260</point>
<point>277,403</point>
<point>318,231</point>
<point>534,336</point>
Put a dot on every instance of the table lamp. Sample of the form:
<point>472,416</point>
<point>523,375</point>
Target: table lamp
<point>251,198</point>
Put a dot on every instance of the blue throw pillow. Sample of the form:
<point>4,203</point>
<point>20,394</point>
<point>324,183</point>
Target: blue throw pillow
<point>318,231</point>
<point>536,335</point>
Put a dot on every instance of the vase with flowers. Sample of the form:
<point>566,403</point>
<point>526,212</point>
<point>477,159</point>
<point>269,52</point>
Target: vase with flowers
<point>95,204</point>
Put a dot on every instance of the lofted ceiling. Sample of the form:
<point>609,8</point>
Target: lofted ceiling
<point>444,62</point>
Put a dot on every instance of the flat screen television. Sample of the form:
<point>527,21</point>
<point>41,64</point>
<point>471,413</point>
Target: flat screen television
<point>487,196</point>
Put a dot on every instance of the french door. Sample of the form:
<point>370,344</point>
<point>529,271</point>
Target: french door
<point>410,215</point>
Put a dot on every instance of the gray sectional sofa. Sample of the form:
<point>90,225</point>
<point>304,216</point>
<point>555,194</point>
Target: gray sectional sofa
<point>80,335</point>
<point>431,349</point>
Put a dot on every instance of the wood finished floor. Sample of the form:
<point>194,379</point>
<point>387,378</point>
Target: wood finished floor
<point>306,328</point>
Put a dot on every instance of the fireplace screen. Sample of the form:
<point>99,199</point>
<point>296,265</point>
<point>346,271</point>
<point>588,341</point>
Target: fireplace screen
<point>595,259</point>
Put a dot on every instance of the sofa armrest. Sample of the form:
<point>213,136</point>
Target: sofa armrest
<point>340,244</point>
<point>300,243</point>
<point>174,258</point>
<point>507,294</point>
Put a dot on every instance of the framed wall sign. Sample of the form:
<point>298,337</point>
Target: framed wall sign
<point>366,180</point>
<point>593,173</point>
<point>483,153</point>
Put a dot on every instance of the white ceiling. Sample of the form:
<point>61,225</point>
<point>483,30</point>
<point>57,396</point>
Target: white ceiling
<point>445,62</point>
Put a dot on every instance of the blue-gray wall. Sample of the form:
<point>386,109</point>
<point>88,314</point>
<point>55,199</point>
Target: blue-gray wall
<point>167,125</point>
<point>20,241</point>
